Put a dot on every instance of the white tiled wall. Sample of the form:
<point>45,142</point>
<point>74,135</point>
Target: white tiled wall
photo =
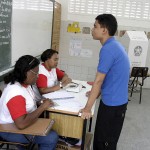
<point>76,67</point>
<point>82,68</point>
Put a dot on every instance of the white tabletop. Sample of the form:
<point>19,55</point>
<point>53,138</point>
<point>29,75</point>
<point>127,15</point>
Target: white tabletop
<point>73,105</point>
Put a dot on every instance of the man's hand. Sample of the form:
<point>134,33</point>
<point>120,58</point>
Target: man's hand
<point>85,113</point>
<point>88,93</point>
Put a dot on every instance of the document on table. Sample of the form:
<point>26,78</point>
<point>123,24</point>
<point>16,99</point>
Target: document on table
<point>72,105</point>
<point>65,101</point>
<point>58,95</point>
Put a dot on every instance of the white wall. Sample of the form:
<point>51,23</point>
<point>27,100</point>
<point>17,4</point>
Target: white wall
<point>85,68</point>
<point>80,67</point>
<point>31,32</point>
<point>31,28</point>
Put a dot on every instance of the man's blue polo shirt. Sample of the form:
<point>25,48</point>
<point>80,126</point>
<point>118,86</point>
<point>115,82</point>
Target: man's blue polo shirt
<point>114,62</point>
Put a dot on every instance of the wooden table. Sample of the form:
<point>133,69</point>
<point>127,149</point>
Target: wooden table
<point>67,122</point>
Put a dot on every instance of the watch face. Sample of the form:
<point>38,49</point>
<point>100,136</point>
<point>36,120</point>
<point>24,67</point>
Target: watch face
<point>60,84</point>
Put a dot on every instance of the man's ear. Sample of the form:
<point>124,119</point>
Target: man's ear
<point>105,31</point>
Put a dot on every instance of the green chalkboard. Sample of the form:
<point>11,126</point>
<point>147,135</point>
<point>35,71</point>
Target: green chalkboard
<point>5,34</point>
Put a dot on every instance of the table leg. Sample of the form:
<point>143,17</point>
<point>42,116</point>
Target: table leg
<point>83,134</point>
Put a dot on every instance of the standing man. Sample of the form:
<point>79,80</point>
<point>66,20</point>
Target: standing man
<point>111,82</point>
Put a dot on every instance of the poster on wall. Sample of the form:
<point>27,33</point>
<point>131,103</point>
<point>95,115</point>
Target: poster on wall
<point>74,27</point>
<point>75,48</point>
<point>122,32</point>
<point>148,35</point>
<point>86,53</point>
<point>86,30</point>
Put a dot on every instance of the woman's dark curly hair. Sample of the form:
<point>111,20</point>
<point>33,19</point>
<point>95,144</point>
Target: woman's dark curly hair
<point>48,54</point>
<point>22,66</point>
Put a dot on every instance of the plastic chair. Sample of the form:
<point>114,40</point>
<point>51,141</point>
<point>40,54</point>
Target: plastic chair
<point>136,73</point>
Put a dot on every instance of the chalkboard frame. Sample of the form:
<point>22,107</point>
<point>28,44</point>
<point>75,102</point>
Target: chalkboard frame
<point>5,33</point>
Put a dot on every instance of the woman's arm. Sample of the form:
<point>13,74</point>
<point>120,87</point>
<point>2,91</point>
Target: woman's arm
<point>28,119</point>
<point>65,80</point>
<point>49,89</point>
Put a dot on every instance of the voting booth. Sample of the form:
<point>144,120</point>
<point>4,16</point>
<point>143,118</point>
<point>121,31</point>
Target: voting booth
<point>136,44</point>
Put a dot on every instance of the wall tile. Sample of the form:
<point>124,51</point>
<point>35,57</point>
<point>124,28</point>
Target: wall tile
<point>83,77</point>
<point>90,77</point>
<point>71,69</point>
<point>77,69</point>
<point>92,71</point>
<point>84,70</point>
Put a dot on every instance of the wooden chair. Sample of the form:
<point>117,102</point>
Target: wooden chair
<point>35,129</point>
<point>136,73</point>
<point>7,145</point>
<point>0,93</point>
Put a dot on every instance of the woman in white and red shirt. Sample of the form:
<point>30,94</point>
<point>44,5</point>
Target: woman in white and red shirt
<point>50,78</point>
<point>17,103</point>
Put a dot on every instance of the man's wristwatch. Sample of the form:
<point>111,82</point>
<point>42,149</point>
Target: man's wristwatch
<point>60,84</point>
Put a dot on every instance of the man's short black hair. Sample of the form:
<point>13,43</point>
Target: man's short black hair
<point>109,22</point>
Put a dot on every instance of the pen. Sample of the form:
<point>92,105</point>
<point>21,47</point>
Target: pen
<point>62,98</point>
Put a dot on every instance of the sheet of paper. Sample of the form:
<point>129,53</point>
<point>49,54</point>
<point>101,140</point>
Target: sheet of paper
<point>72,105</point>
<point>58,95</point>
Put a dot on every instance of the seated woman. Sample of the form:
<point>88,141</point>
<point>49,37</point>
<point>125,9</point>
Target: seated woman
<point>17,103</point>
<point>50,78</point>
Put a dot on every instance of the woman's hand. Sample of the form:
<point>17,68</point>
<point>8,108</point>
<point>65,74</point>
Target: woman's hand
<point>46,103</point>
<point>66,81</point>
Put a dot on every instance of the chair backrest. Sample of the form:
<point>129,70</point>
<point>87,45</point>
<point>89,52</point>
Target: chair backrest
<point>139,72</point>
<point>0,92</point>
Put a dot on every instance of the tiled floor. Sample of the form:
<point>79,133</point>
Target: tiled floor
<point>136,130</point>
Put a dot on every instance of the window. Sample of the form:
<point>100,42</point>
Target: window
<point>131,9</point>
<point>33,5</point>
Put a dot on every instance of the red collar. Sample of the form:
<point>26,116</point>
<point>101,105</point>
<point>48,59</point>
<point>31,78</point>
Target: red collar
<point>24,85</point>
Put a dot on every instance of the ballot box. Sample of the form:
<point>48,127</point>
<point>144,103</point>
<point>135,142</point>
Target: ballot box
<point>136,45</point>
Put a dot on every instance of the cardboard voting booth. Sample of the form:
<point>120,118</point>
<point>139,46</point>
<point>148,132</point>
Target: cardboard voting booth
<point>136,44</point>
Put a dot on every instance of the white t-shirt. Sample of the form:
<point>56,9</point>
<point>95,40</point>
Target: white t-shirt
<point>16,100</point>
